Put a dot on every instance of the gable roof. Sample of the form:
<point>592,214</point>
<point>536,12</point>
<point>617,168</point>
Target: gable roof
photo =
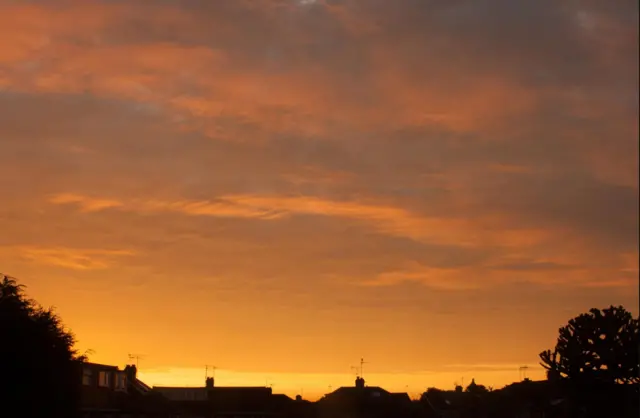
<point>99,366</point>
<point>368,395</point>
<point>368,391</point>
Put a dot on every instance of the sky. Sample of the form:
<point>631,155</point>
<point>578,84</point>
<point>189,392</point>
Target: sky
<point>280,188</point>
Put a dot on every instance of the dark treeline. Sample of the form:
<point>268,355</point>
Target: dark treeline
<point>38,362</point>
<point>593,371</point>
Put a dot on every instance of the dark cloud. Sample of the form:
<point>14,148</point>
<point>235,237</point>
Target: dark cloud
<point>533,266</point>
<point>605,214</point>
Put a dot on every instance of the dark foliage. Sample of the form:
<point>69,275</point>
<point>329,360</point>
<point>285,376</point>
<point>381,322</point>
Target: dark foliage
<point>597,346</point>
<point>39,371</point>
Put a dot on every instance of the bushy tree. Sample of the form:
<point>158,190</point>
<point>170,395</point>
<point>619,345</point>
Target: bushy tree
<point>39,373</point>
<point>599,346</point>
<point>433,395</point>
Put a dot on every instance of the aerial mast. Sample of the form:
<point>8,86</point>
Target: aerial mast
<point>137,358</point>
<point>362,363</point>
<point>206,371</point>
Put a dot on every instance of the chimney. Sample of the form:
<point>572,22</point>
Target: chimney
<point>360,382</point>
<point>209,383</point>
<point>131,372</point>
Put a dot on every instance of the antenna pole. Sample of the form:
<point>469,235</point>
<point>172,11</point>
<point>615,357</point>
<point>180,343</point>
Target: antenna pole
<point>137,358</point>
<point>206,371</point>
<point>362,363</point>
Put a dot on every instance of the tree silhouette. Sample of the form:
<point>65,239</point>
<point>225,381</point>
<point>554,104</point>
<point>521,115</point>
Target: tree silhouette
<point>433,396</point>
<point>596,346</point>
<point>39,373</point>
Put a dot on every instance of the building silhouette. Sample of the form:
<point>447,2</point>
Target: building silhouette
<point>362,401</point>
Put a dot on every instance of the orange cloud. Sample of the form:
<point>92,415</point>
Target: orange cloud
<point>385,219</point>
<point>485,229</point>
<point>549,271</point>
<point>537,255</point>
<point>436,278</point>
<point>222,208</point>
<point>70,258</point>
<point>86,204</point>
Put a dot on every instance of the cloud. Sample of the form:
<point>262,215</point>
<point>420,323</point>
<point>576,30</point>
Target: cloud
<point>385,219</point>
<point>507,243</point>
<point>224,207</point>
<point>500,268</point>
<point>291,69</point>
<point>67,258</point>
<point>435,278</point>
<point>87,205</point>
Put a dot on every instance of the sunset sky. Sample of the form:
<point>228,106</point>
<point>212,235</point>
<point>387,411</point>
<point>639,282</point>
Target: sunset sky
<point>281,187</point>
